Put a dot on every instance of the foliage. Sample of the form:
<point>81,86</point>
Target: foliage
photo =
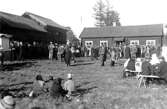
<point>105,15</point>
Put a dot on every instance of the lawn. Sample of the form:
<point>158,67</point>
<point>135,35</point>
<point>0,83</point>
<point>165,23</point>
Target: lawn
<point>99,87</point>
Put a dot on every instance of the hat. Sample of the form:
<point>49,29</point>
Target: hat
<point>138,59</point>
<point>8,102</point>
<point>69,76</point>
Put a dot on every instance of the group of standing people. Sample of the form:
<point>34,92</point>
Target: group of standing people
<point>63,52</point>
<point>125,51</point>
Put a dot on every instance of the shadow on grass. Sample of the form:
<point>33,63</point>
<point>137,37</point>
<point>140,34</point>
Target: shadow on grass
<point>82,91</point>
<point>78,64</point>
<point>84,83</point>
<point>17,66</point>
<point>23,83</point>
<point>18,92</point>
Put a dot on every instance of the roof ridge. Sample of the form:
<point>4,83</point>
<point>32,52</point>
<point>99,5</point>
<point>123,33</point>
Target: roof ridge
<point>48,21</point>
<point>21,20</point>
<point>122,26</point>
<point>38,15</point>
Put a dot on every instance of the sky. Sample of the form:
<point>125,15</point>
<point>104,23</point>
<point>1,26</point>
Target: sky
<point>78,14</point>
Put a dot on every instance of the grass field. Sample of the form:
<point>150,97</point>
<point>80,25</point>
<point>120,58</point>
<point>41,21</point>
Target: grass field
<point>100,87</point>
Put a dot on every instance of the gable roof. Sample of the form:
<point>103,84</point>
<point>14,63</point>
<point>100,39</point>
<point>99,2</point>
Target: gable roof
<point>20,22</point>
<point>123,31</point>
<point>44,21</point>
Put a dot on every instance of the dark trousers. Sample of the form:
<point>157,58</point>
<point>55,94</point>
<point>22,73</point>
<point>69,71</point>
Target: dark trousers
<point>2,58</point>
<point>112,63</point>
<point>103,60</point>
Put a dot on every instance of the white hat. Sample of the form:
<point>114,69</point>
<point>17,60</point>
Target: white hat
<point>8,102</point>
<point>69,76</point>
<point>138,59</point>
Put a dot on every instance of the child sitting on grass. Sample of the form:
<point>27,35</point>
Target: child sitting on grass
<point>56,91</point>
<point>38,87</point>
<point>69,86</point>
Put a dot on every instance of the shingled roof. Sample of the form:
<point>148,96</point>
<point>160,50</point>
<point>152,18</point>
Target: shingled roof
<point>123,31</point>
<point>20,22</point>
<point>44,21</point>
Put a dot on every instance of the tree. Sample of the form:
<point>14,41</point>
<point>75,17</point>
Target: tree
<point>105,15</point>
<point>111,18</point>
<point>99,9</point>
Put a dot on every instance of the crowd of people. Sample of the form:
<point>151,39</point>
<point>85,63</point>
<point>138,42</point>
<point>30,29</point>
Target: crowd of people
<point>20,51</point>
<point>148,57</point>
<point>124,51</point>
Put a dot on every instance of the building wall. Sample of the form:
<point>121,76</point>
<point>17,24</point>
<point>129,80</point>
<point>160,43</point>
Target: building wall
<point>111,41</point>
<point>96,41</point>
<point>142,40</point>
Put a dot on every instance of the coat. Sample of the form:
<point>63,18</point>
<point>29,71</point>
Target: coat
<point>127,52</point>
<point>38,88</point>
<point>68,55</point>
<point>69,86</point>
<point>163,70</point>
<point>103,53</point>
<point>56,89</point>
<point>131,65</point>
<point>146,68</point>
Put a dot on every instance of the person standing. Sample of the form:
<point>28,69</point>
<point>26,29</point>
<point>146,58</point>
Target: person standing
<point>68,54</point>
<point>56,51</point>
<point>50,48</point>
<point>127,52</point>
<point>103,54</point>
<point>2,55</point>
<point>113,56</point>
<point>73,53</point>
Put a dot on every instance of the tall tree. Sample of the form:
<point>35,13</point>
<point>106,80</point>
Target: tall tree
<point>105,15</point>
<point>111,18</point>
<point>99,9</point>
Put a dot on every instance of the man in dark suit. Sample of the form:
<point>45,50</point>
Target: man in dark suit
<point>103,54</point>
<point>127,52</point>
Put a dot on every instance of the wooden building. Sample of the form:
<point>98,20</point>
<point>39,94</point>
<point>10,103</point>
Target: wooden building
<point>54,30</point>
<point>21,29</point>
<point>35,32</point>
<point>140,35</point>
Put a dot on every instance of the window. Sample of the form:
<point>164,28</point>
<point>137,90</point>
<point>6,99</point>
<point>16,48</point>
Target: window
<point>0,42</point>
<point>134,42</point>
<point>104,42</point>
<point>88,44</point>
<point>151,42</point>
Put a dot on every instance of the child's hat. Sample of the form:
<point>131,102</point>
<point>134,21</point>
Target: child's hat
<point>69,76</point>
<point>138,59</point>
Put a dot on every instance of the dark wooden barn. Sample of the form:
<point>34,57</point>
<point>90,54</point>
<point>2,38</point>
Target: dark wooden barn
<point>54,30</point>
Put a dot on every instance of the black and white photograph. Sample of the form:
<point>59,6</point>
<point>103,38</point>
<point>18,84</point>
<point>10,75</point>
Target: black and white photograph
<point>83,54</point>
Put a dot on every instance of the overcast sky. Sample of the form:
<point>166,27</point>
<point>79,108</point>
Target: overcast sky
<point>79,13</point>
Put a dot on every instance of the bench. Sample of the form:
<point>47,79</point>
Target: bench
<point>141,79</point>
